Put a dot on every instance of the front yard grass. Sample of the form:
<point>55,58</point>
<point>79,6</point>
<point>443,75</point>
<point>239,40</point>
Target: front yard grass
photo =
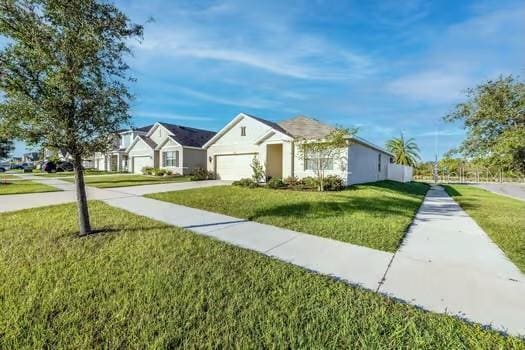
<point>12,186</point>
<point>374,215</point>
<point>502,218</point>
<point>106,181</point>
<point>143,284</point>
<point>72,174</point>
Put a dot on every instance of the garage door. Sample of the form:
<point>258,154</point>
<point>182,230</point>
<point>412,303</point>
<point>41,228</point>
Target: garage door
<point>234,167</point>
<point>139,163</point>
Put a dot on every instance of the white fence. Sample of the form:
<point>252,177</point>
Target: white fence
<point>401,173</point>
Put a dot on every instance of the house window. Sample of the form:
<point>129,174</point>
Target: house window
<point>170,158</point>
<point>243,131</point>
<point>312,162</point>
<point>379,162</point>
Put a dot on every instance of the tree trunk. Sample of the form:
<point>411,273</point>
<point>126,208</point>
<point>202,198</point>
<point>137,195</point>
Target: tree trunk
<point>80,186</point>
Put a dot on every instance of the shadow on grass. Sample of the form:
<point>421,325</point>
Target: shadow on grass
<point>335,208</point>
<point>110,231</point>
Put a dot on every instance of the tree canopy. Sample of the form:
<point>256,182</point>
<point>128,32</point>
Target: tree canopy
<point>6,147</point>
<point>64,76</point>
<point>405,151</point>
<point>494,117</point>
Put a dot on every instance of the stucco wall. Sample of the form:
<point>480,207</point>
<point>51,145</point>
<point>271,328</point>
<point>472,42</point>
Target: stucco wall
<point>339,168</point>
<point>142,149</point>
<point>233,143</point>
<point>194,158</point>
<point>363,164</point>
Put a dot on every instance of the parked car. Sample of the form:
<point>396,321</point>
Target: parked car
<point>64,166</point>
<point>2,169</point>
<point>49,167</point>
<point>16,166</point>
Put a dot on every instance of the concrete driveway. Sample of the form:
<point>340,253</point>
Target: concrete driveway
<point>514,190</point>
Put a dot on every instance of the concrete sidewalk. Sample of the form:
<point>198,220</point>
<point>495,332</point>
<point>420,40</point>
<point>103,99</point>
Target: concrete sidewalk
<point>354,264</point>
<point>448,264</point>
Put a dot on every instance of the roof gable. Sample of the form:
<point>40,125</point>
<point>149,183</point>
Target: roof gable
<point>149,142</point>
<point>239,117</point>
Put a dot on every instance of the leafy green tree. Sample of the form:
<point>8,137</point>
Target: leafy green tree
<point>494,117</point>
<point>6,147</point>
<point>64,77</point>
<point>257,170</point>
<point>322,154</point>
<point>405,151</point>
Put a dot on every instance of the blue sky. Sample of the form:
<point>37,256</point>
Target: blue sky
<point>386,67</point>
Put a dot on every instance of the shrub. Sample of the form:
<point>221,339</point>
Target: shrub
<point>200,174</point>
<point>246,182</point>
<point>333,183</point>
<point>292,181</point>
<point>310,182</point>
<point>147,170</point>
<point>275,182</point>
<point>257,169</point>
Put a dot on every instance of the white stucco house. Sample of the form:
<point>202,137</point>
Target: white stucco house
<point>231,150</point>
<point>161,145</point>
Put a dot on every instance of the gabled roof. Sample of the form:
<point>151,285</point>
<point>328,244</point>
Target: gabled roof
<point>146,140</point>
<point>239,117</point>
<point>305,127</point>
<point>272,125</point>
<point>187,136</point>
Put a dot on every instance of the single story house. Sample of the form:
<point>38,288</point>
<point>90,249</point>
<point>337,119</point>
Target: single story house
<point>231,150</point>
<point>161,145</point>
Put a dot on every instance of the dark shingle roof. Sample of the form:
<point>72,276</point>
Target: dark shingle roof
<point>148,141</point>
<point>144,128</point>
<point>305,127</point>
<point>187,136</point>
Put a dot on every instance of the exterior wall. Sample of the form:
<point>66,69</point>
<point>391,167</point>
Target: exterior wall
<point>274,160</point>
<point>141,149</point>
<point>99,161</point>
<point>159,135</point>
<point>400,173</point>
<point>340,164</point>
<point>363,164</point>
<point>233,143</point>
<point>192,159</point>
<point>171,146</point>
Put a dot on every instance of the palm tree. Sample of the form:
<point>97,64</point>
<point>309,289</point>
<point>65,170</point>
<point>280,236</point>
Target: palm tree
<point>406,152</point>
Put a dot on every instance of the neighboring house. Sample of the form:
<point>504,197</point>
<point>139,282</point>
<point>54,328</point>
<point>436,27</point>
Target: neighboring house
<point>116,159</point>
<point>232,149</point>
<point>30,157</point>
<point>161,145</point>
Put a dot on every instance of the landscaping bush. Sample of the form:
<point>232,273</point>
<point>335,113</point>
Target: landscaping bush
<point>333,183</point>
<point>310,182</point>
<point>200,174</point>
<point>147,170</point>
<point>246,182</point>
<point>293,181</point>
<point>275,182</point>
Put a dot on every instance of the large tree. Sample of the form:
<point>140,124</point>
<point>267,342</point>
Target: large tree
<point>405,151</point>
<point>64,77</point>
<point>6,147</point>
<point>494,117</point>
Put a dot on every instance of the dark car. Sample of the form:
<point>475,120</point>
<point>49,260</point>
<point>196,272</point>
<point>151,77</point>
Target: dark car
<point>2,169</point>
<point>49,167</point>
<point>64,166</point>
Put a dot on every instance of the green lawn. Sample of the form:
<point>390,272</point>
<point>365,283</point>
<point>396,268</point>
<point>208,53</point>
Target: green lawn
<point>8,186</point>
<point>142,284</point>
<point>72,174</point>
<point>4,176</point>
<point>105,181</point>
<point>374,215</point>
<point>502,218</point>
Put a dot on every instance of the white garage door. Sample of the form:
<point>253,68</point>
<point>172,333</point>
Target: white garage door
<point>139,163</point>
<point>234,167</point>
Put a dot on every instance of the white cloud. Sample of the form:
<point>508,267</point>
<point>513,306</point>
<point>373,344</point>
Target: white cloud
<point>434,86</point>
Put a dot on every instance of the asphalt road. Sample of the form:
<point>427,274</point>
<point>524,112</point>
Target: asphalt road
<point>509,189</point>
